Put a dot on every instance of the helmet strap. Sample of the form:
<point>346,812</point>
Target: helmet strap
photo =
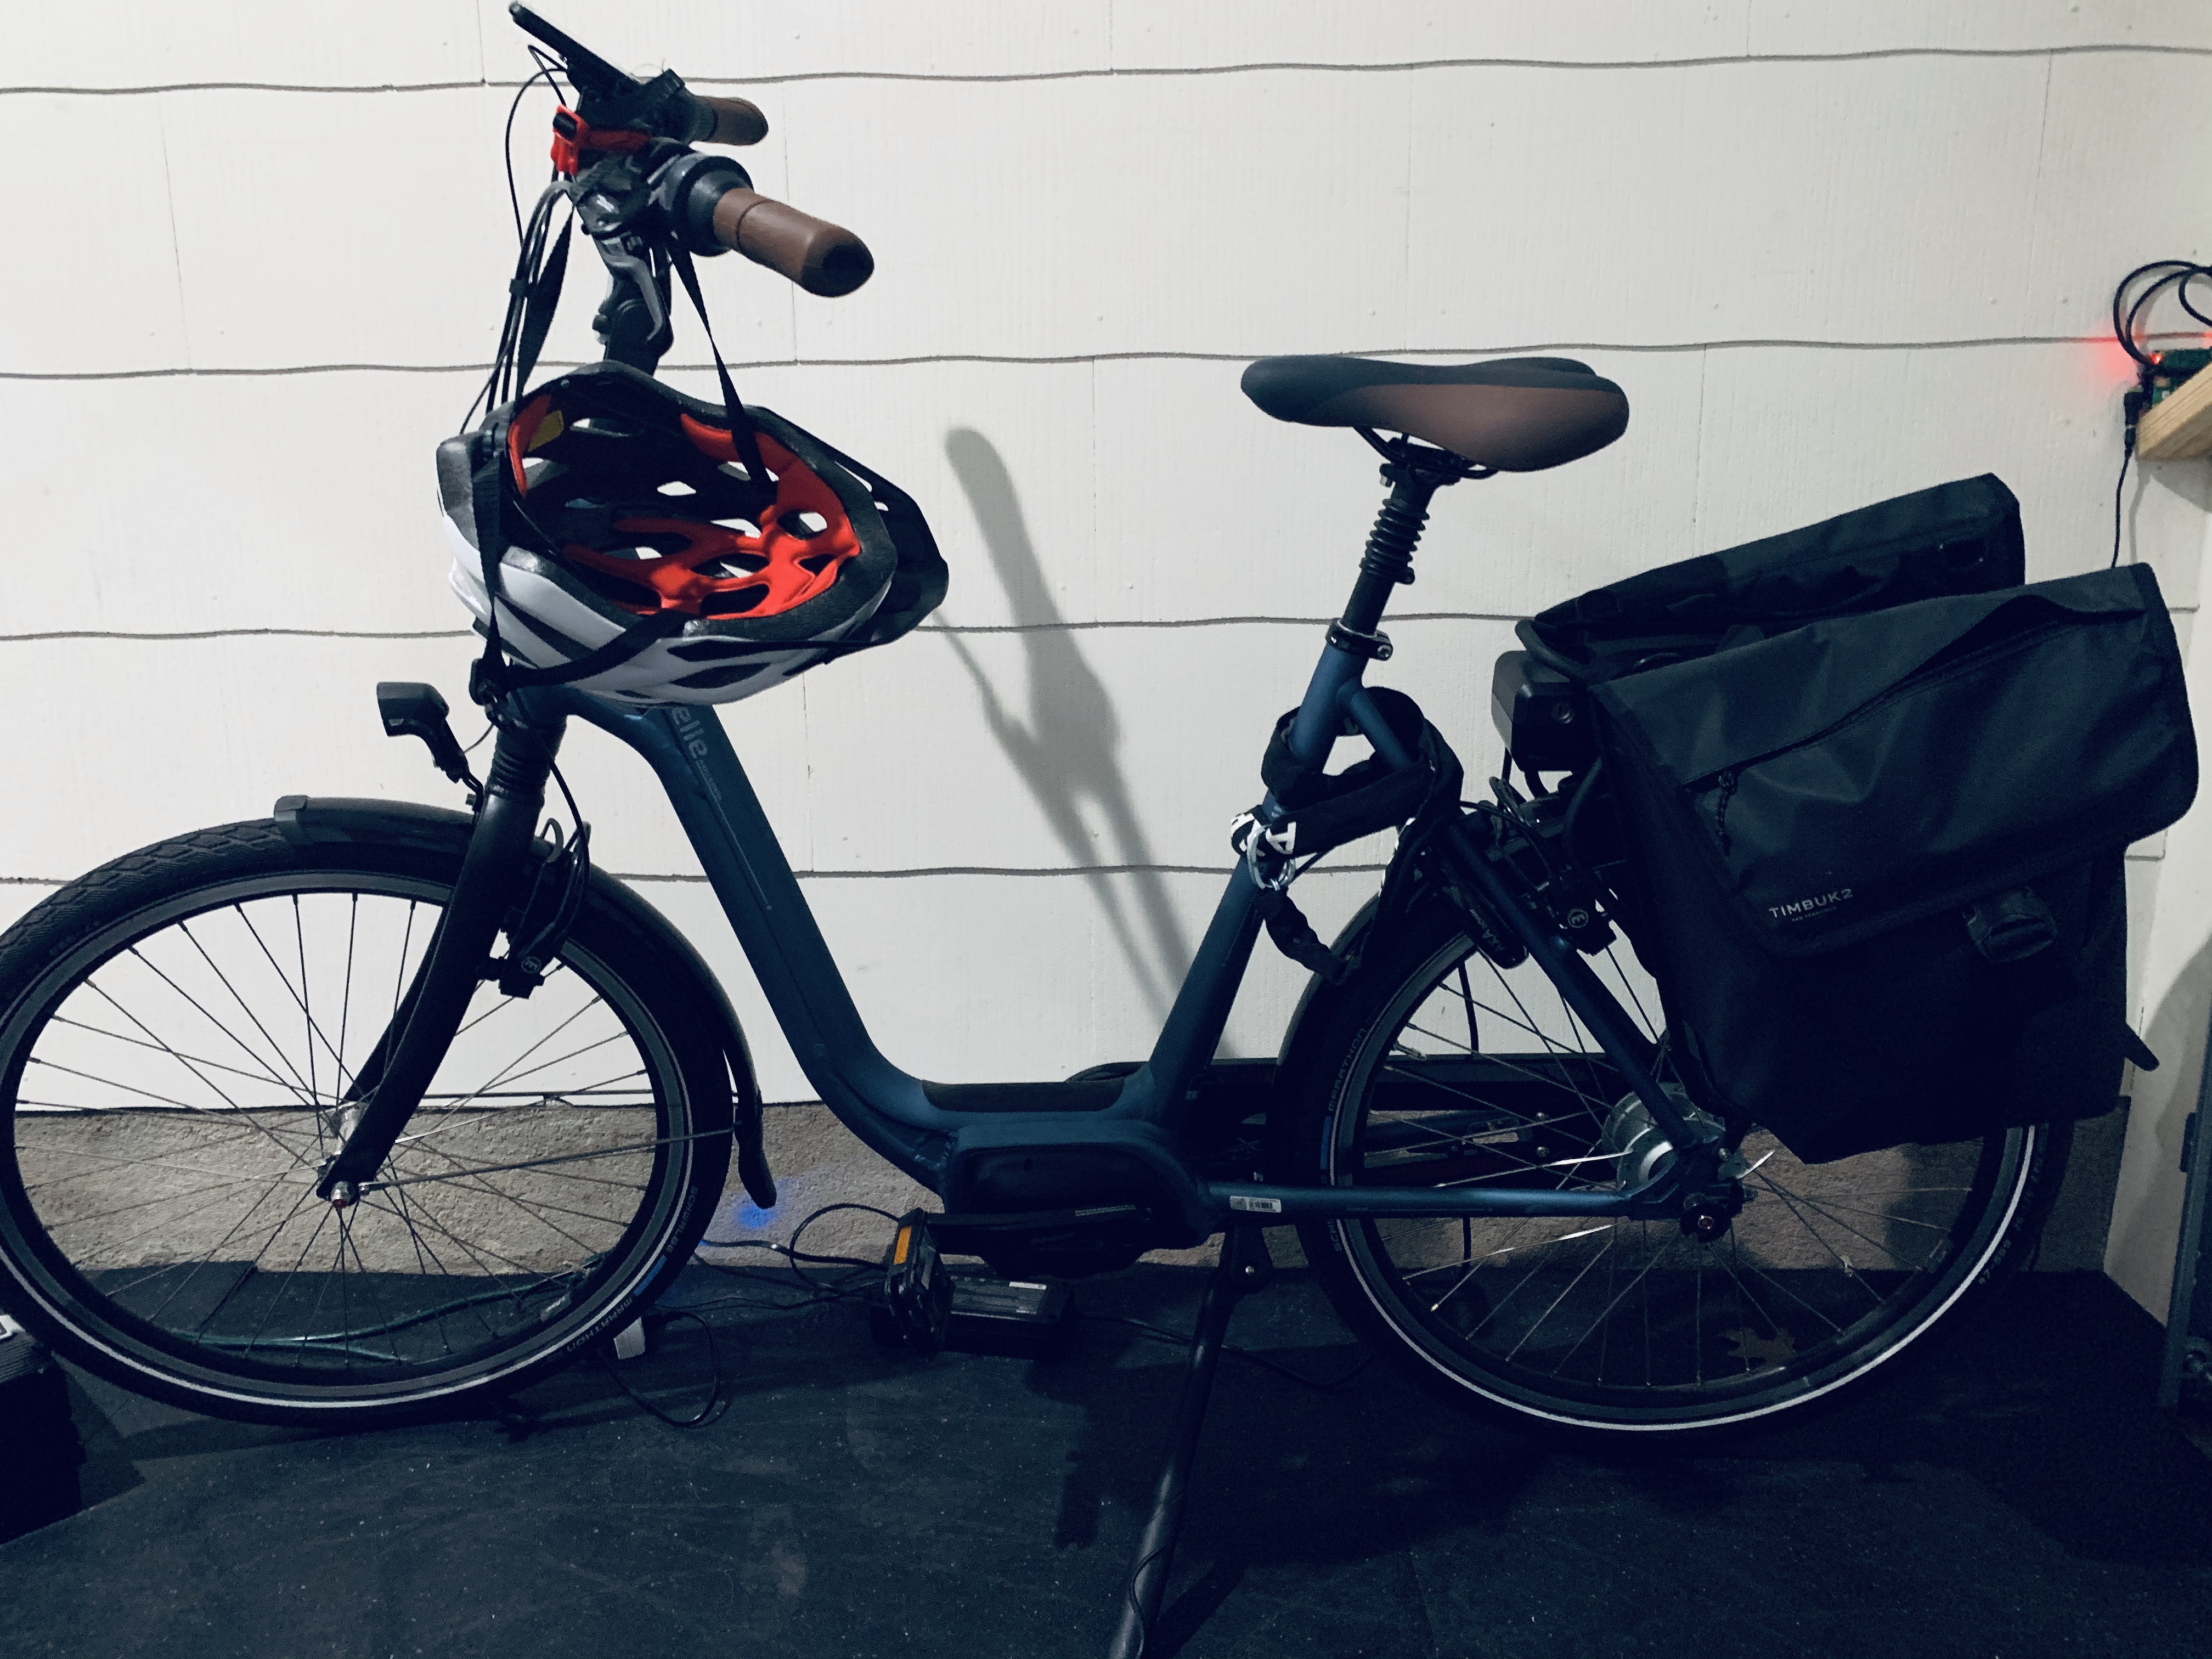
<point>741,424</point>
<point>532,297</point>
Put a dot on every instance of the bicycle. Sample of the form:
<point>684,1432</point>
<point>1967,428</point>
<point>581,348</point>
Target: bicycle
<point>288,1137</point>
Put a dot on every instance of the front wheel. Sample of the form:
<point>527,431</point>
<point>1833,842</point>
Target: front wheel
<point>178,1033</point>
<point>1433,1067</point>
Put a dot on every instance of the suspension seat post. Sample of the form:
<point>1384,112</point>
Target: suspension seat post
<point>407,1057</point>
<point>1388,561</point>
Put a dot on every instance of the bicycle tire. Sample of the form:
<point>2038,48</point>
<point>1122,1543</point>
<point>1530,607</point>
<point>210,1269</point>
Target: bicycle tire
<point>176,1029</point>
<point>1677,1341</point>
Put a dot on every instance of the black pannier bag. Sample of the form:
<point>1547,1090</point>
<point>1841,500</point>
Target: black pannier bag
<point>1877,859</point>
<point>1960,537</point>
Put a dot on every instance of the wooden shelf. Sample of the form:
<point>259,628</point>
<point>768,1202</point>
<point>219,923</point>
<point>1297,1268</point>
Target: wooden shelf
<point>2180,426</point>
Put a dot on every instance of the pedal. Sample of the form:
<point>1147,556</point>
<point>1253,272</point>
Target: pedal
<point>917,1287</point>
<point>1013,1319</point>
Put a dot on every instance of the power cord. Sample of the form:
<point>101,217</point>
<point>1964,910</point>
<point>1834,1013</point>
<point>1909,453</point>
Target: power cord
<point>848,1286</point>
<point>716,1402</point>
<point>2128,314</point>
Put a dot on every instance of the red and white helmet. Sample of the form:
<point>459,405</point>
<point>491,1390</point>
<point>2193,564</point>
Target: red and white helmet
<point>626,510</point>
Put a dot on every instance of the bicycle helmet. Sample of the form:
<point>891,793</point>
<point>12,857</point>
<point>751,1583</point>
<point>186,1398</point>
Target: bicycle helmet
<point>625,513</point>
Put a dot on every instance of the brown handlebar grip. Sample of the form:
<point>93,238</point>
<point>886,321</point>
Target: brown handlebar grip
<point>821,258</point>
<point>736,121</point>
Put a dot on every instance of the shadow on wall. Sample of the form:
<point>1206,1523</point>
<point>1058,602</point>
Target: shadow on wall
<point>2149,1229</point>
<point>1067,747</point>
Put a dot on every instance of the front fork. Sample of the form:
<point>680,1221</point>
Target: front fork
<point>389,1085</point>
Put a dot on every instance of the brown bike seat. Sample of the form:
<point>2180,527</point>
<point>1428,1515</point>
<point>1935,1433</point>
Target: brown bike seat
<point>1515,414</point>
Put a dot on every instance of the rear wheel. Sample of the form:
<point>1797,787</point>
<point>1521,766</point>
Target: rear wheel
<point>1433,1067</point>
<point>178,1031</point>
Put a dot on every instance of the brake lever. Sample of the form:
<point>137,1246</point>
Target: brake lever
<point>627,261</point>
<point>612,200</point>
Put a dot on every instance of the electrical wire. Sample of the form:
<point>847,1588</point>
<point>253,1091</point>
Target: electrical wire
<point>716,1400</point>
<point>847,1287</point>
<point>818,1294</point>
<point>547,65</point>
<point>2127,320</point>
<point>2119,487</point>
<point>2176,274</point>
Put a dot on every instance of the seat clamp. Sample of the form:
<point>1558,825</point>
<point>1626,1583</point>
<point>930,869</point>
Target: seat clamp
<point>1376,647</point>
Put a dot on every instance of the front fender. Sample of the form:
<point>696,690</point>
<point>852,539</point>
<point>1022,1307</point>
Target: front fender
<point>324,820</point>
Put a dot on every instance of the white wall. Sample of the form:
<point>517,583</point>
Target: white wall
<point>1831,252</point>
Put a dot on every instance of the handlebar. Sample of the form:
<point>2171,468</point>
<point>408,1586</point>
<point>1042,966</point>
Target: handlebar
<point>728,121</point>
<point>821,258</point>
<point>708,200</point>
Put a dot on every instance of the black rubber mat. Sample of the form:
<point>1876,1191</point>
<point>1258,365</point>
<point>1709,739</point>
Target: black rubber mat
<point>2014,1495</point>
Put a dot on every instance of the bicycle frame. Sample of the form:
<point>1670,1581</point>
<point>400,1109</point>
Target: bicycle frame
<point>890,1110</point>
<point>1141,1129</point>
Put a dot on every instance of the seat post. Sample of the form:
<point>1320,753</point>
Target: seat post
<point>1414,473</point>
<point>1388,561</point>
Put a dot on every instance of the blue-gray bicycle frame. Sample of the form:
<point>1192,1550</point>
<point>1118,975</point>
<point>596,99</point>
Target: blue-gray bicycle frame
<point>889,1109</point>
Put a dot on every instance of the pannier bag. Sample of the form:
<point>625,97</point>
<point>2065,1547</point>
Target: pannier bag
<point>1961,537</point>
<point>1877,859</point>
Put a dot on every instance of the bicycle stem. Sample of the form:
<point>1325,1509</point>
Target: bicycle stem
<point>399,1070</point>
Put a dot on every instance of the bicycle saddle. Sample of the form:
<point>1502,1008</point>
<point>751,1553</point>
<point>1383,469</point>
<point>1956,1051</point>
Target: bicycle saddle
<point>1515,414</point>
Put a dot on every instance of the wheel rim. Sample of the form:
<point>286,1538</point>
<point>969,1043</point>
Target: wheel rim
<point>174,1084</point>
<point>1475,1077</point>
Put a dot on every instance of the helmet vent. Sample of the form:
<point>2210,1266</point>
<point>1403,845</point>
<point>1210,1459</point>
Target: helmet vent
<point>712,650</point>
<point>807,523</point>
<point>678,487</point>
<point>711,679</point>
<point>743,526</point>
<point>733,603</point>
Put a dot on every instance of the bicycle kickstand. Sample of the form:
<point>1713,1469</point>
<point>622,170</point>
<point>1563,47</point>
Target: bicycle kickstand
<point>1245,1267</point>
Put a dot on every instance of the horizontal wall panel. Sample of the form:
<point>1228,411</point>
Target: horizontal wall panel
<point>1789,437</point>
<point>983,979</point>
<point>717,44</point>
<point>135,742</point>
<point>1129,491</point>
<point>1296,210</point>
<point>241,231</point>
<point>114,45</point>
<point>1792,25</point>
<point>419,280</point>
<point>1287,210</point>
<point>125,43</point>
<point>973,979</point>
<point>102,294</point>
<point>1028,752</point>
<point>1163,33</point>
<point>2099,217</point>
